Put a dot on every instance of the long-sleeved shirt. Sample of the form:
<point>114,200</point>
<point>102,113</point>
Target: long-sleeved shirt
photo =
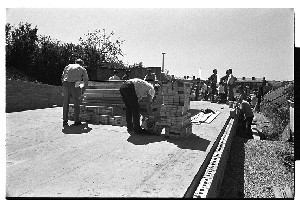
<point>75,73</point>
<point>142,88</point>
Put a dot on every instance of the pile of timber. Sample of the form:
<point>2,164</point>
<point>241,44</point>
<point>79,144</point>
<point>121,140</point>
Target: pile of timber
<point>174,111</point>
<point>102,104</point>
<point>100,97</point>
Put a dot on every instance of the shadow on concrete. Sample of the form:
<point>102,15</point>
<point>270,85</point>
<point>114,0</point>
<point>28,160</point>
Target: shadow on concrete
<point>138,139</point>
<point>193,112</point>
<point>72,129</point>
<point>192,142</point>
<point>233,181</point>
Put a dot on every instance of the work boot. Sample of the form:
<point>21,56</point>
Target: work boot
<point>140,131</point>
<point>77,123</point>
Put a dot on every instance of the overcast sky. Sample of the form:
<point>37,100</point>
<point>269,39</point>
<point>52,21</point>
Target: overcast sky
<point>252,42</point>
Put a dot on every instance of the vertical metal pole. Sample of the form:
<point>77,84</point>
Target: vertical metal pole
<point>163,62</point>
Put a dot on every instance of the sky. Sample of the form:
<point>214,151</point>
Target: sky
<point>252,42</point>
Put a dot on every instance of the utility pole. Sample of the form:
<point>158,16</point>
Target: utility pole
<point>163,62</point>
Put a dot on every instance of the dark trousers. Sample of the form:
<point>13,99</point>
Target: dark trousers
<point>248,122</point>
<point>130,100</point>
<point>69,90</point>
<point>230,93</point>
<point>257,107</point>
<point>213,91</point>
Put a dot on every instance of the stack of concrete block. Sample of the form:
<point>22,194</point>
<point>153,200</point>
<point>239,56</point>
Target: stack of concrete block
<point>97,115</point>
<point>82,114</point>
<point>117,121</point>
<point>174,111</point>
<point>156,104</point>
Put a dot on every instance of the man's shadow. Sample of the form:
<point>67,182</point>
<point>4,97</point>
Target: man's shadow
<point>144,139</point>
<point>192,142</point>
<point>72,129</point>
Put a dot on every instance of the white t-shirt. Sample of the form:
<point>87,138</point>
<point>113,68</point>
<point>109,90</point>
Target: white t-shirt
<point>142,88</point>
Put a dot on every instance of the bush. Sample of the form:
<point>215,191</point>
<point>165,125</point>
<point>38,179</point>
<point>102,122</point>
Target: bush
<point>277,114</point>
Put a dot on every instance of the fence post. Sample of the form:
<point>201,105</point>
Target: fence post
<point>291,104</point>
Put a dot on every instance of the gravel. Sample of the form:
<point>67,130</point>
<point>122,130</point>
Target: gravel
<point>254,167</point>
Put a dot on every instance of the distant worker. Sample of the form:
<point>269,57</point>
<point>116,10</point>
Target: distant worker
<point>260,94</point>
<point>126,76</point>
<point>204,91</point>
<point>259,97</point>
<point>132,91</point>
<point>254,99</point>
<point>72,75</point>
<point>221,92</point>
<point>213,81</point>
<point>224,80</point>
<point>230,84</point>
<point>197,91</point>
<point>150,76</point>
<point>208,92</point>
<point>115,77</point>
<point>247,114</point>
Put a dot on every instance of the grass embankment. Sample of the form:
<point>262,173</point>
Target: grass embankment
<point>255,167</point>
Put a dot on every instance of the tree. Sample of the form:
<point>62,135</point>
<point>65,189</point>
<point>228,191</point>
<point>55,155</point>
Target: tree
<point>99,50</point>
<point>43,59</point>
<point>21,44</point>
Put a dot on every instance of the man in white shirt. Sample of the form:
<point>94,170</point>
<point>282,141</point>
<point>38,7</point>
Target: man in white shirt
<point>132,91</point>
<point>230,84</point>
<point>73,74</point>
<point>115,77</point>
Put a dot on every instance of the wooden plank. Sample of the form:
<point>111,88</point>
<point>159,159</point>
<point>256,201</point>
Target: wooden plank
<point>104,102</point>
<point>101,104</point>
<point>104,98</point>
<point>204,117</point>
<point>103,91</point>
<point>101,95</point>
<point>212,117</point>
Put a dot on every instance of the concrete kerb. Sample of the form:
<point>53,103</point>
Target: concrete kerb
<point>200,174</point>
<point>212,179</point>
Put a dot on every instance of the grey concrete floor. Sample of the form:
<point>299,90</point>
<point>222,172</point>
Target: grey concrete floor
<point>43,159</point>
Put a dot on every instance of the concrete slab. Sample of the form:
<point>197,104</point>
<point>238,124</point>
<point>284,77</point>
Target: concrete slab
<point>46,160</point>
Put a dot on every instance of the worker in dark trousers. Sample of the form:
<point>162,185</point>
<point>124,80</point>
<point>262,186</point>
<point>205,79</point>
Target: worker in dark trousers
<point>213,81</point>
<point>72,76</point>
<point>132,91</point>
